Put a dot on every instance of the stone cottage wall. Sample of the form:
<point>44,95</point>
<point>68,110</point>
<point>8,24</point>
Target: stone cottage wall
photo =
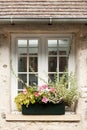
<point>79,31</point>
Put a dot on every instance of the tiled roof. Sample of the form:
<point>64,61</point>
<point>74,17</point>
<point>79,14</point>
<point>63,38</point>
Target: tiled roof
<point>43,8</point>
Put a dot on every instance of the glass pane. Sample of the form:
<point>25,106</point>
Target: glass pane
<point>22,64</point>
<point>33,80</point>
<point>62,52</point>
<point>64,47</point>
<point>64,43</point>
<point>33,64</point>
<point>22,47</point>
<point>52,64</point>
<point>52,47</point>
<point>51,77</point>
<point>62,64</point>
<point>21,84</point>
<point>33,47</point>
<point>64,78</point>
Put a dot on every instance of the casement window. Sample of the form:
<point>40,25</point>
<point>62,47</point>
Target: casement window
<point>45,54</point>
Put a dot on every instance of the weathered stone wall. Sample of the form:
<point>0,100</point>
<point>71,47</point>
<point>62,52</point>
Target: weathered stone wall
<point>39,126</point>
<point>82,73</point>
<point>80,34</point>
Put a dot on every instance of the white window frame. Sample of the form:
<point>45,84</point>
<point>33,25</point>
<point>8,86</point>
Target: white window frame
<point>43,38</point>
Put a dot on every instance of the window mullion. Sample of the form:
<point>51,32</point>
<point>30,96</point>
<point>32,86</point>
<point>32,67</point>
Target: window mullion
<point>39,60</point>
<point>27,62</point>
<point>58,57</point>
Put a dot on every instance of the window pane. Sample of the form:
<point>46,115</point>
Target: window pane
<point>64,47</point>
<point>52,47</point>
<point>52,64</point>
<point>33,80</point>
<point>64,78</point>
<point>51,77</point>
<point>33,64</point>
<point>62,64</point>
<point>22,47</point>
<point>33,47</point>
<point>62,52</point>
<point>22,64</point>
<point>64,43</point>
<point>22,77</point>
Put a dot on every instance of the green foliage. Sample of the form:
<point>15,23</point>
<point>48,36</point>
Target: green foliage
<point>26,99</point>
<point>71,93</point>
<point>63,90</point>
<point>66,89</point>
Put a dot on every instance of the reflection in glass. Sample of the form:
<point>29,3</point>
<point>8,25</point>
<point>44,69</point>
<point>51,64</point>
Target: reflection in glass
<point>23,77</point>
<point>64,43</point>
<point>33,64</point>
<point>33,47</point>
<point>52,64</point>
<point>33,80</point>
<point>52,47</point>
<point>51,77</point>
<point>64,47</point>
<point>22,64</point>
<point>63,78</point>
<point>22,47</point>
<point>22,51</point>
<point>62,64</point>
<point>62,52</point>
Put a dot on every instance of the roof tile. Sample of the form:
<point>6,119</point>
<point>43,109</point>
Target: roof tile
<point>43,8</point>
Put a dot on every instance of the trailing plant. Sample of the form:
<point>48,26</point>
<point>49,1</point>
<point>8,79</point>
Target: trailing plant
<point>63,90</point>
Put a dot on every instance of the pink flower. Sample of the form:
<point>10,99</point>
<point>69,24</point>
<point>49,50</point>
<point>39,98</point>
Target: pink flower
<point>36,94</point>
<point>25,91</point>
<point>52,90</point>
<point>44,87</point>
<point>44,99</point>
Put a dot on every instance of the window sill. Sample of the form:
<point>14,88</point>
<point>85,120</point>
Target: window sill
<point>59,118</point>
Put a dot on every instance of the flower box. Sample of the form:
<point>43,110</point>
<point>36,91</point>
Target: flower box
<point>44,109</point>
<point>47,99</point>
